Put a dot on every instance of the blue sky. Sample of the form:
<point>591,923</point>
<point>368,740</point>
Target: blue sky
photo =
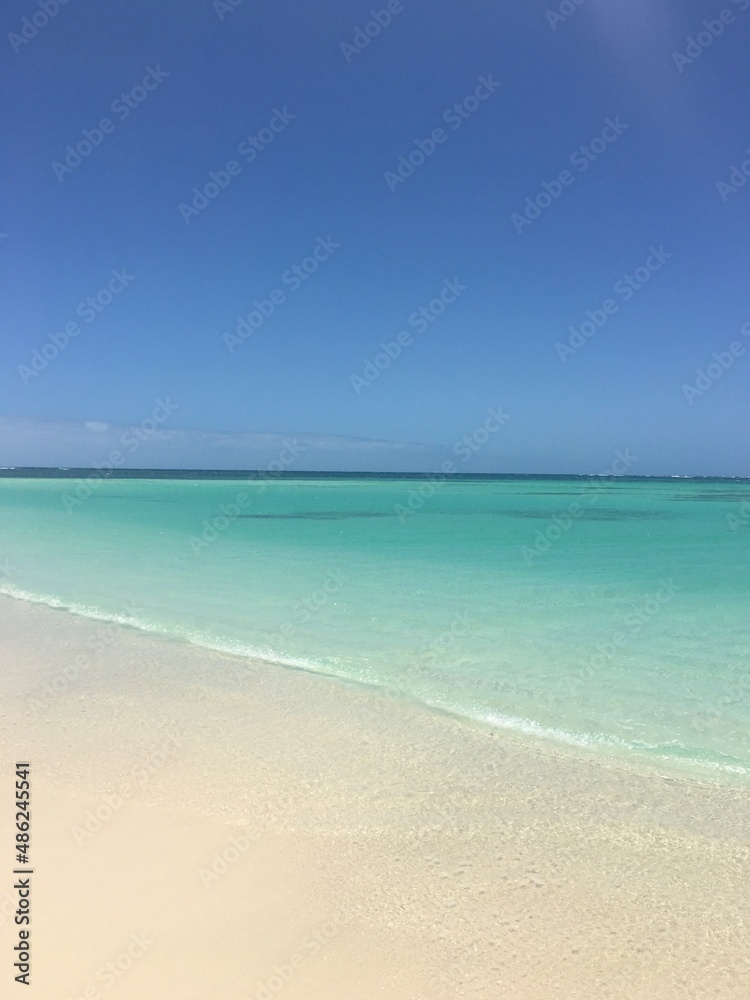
<point>664,121</point>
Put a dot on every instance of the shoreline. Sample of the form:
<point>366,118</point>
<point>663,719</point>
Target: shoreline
<point>451,859</point>
<point>528,732</point>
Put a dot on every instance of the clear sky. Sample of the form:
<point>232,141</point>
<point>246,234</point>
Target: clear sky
<point>315,108</point>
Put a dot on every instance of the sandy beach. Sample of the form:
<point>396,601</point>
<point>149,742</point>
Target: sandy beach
<point>374,509</point>
<point>204,826</point>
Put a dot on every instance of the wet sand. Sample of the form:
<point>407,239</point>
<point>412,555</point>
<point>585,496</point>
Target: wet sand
<point>208,827</point>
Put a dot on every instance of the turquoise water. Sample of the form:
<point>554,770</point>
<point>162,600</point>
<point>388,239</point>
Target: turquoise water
<point>607,613</point>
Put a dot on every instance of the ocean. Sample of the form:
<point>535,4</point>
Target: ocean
<point>604,613</point>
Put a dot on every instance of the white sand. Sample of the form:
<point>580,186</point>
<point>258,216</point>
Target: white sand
<point>362,848</point>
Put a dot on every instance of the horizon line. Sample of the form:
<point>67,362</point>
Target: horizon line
<point>145,473</point>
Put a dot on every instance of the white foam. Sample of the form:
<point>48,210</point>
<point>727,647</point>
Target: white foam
<point>234,648</point>
<point>497,720</point>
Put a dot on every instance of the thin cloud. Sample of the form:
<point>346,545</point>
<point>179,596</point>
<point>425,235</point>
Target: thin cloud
<point>93,443</point>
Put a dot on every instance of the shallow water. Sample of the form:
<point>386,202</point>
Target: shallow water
<point>606,613</point>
